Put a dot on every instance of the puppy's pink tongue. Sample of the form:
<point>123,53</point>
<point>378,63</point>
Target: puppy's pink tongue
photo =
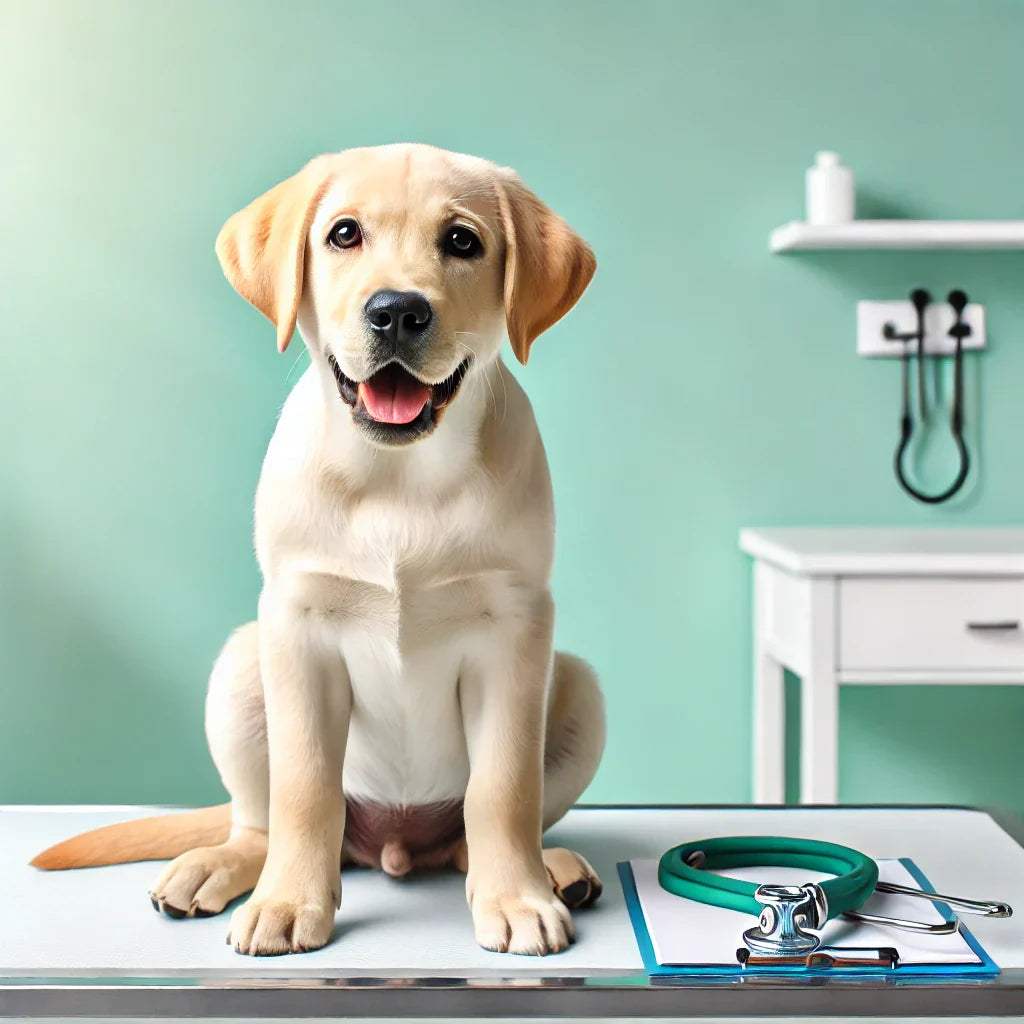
<point>393,396</point>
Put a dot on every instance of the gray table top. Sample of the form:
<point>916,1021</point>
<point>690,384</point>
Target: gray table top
<point>87,944</point>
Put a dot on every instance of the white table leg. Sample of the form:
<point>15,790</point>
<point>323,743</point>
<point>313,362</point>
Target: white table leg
<point>769,705</point>
<point>769,730</point>
<point>819,703</point>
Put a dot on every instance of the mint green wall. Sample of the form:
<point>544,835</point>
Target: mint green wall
<point>701,385</point>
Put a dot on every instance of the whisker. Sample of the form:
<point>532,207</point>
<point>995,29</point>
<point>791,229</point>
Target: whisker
<point>464,346</point>
<point>489,388</point>
<point>501,376</point>
<point>302,352</point>
<point>504,392</point>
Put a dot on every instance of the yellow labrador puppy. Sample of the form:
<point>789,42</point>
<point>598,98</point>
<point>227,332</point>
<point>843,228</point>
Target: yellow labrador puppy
<point>397,702</point>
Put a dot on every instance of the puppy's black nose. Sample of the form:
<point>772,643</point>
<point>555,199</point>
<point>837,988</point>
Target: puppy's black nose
<point>399,317</point>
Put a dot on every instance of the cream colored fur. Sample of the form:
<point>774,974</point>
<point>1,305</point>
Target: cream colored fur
<point>402,653</point>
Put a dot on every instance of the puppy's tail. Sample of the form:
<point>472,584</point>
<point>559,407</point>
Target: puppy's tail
<point>159,838</point>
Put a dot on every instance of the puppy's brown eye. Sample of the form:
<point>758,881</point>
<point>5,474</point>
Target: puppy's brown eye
<point>461,242</point>
<point>345,234</point>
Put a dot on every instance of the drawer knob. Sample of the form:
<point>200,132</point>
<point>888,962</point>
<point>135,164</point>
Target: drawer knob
<point>999,626</point>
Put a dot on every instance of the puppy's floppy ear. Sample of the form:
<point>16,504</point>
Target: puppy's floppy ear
<point>547,265</point>
<point>262,249</point>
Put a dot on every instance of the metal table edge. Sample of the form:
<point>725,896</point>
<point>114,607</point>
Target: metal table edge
<point>447,998</point>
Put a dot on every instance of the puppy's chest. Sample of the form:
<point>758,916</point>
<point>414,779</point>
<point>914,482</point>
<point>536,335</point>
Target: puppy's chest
<point>400,580</point>
<point>413,610</point>
<point>399,549</point>
<point>406,744</point>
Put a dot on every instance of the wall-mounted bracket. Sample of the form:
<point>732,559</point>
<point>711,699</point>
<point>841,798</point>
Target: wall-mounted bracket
<point>872,318</point>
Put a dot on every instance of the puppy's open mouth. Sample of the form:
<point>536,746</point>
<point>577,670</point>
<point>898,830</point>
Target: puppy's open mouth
<point>396,406</point>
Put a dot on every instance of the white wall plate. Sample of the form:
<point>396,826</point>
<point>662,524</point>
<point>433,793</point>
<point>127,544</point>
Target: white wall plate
<point>938,319</point>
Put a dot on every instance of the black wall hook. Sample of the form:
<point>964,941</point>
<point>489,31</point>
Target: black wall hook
<point>920,298</point>
<point>960,330</point>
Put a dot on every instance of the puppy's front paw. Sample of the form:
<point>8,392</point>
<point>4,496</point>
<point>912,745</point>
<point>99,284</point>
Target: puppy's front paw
<point>280,923</point>
<point>533,921</point>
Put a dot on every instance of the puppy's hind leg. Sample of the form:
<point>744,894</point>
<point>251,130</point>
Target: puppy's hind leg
<point>203,881</point>
<point>573,748</point>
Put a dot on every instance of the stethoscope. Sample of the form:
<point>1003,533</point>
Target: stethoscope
<point>920,299</point>
<point>789,915</point>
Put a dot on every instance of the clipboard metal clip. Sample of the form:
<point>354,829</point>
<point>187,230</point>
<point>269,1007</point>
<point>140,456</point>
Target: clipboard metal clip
<point>824,958</point>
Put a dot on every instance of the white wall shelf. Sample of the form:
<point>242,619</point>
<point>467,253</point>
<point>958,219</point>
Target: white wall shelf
<point>900,234</point>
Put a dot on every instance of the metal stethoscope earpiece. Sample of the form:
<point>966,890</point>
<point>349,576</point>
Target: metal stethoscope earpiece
<point>960,330</point>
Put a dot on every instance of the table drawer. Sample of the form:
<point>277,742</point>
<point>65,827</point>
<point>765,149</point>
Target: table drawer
<point>950,624</point>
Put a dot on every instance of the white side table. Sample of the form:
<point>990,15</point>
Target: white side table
<point>873,606</point>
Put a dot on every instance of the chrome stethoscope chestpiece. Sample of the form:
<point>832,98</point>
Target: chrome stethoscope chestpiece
<point>788,912</point>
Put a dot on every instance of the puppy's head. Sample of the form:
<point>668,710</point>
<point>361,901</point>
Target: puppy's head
<point>403,266</point>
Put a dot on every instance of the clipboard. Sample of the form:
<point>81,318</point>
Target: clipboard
<point>679,938</point>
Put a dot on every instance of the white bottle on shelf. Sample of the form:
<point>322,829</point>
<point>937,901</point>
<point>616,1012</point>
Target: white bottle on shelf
<point>830,193</point>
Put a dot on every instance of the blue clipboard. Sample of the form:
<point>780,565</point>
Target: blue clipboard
<point>986,968</point>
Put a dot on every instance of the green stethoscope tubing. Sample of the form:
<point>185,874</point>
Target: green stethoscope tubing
<point>855,874</point>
